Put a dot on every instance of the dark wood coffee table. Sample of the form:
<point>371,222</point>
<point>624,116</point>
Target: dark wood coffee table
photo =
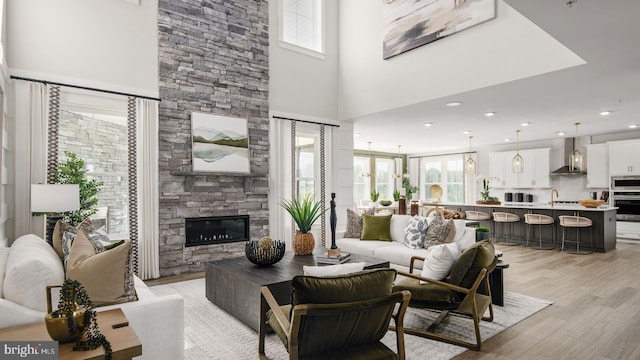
<point>234,284</point>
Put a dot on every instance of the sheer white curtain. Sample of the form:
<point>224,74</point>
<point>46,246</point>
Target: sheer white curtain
<point>148,193</point>
<point>280,223</point>
<point>30,146</point>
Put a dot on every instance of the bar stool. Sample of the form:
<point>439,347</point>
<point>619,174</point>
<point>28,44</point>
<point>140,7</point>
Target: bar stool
<point>506,218</point>
<point>577,222</point>
<point>540,219</point>
<point>479,216</point>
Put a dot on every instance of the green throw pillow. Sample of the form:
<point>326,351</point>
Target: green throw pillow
<point>376,227</point>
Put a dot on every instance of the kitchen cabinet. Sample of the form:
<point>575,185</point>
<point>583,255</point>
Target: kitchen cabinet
<point>536,169</point>
<point>598,166</point>
<point>624,157</point>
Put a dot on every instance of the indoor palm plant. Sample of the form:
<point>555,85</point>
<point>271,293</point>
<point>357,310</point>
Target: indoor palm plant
<point>305,212</point>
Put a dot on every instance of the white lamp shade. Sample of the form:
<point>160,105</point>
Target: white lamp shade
<point>55,198</point>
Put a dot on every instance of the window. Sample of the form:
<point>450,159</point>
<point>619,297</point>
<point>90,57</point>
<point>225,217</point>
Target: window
<point>301,26</point>
<point>305,164</point>
<point>445,171</point>
<point>380,171</point>
<point>99,137</point>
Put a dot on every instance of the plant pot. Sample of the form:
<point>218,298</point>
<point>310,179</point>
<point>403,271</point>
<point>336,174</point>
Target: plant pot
<point>303,243</point>
<point>481,236</point>
<point>58,327</point>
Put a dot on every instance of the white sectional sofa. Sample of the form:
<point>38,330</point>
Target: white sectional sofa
<point>395,251</point>
<point>31,264</point>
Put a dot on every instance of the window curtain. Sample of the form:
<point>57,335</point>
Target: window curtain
<point>148,192</point>
<point>31,113</point>
<point>280,223</point>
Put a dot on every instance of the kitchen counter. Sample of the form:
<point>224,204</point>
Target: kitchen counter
<point>603,218</point>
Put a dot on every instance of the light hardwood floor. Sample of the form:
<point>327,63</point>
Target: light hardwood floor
<point>596,310</point>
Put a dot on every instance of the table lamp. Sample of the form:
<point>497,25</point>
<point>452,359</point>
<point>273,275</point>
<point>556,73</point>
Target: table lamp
<point>54,198</point>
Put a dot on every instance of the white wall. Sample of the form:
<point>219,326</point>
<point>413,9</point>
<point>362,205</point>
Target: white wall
<point>490,53</point>
<point>107,44</point>
<point>300,85</point>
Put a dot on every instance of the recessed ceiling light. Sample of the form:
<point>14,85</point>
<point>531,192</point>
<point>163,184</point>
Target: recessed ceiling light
<point>357,134</point>
<point>525,124</point>
<point>467,132</point>
<point>605,113</point>
<point>489,114</point>
<point>561,133</point>
<point>507,140</point>
<point>427,124</point>
<point>633,126</point>
<point>454,103</point>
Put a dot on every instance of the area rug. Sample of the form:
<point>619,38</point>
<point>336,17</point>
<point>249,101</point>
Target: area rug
<point>211,333</point>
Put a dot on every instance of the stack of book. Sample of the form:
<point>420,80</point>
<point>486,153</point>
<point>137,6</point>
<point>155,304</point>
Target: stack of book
<point>326,259</point>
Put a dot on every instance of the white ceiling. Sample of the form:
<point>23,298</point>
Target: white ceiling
<point>605,34</point>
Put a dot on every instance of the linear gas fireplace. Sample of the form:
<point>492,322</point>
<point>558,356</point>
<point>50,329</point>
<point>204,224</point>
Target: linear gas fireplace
<point>216,230</point>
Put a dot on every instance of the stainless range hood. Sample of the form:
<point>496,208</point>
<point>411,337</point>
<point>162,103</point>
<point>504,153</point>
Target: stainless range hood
<point>569,146</point>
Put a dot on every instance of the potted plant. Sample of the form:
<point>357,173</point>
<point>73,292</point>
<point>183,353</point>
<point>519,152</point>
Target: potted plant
<point>482,233</point>
<point>374,195</point>
<point>304,212</point>
<point>74,317</point>
<point>72,171</point>
<point>409,189</point>
<point>396,194</point>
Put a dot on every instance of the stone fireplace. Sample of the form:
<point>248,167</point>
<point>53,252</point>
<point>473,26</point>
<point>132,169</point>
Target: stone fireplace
<point>216,230</point>
<point>213,58</point>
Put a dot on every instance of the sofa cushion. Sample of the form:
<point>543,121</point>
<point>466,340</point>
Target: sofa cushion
<point>104,275</point>
<point>398,226</point>
<point>32,264</point>
<point>376,227</point>
<point>439,261</point>
<point>333,270</point>
<point>62,227</point>
<point>397,253</point>
<point>415,232</point>
<point>4,254</point>
<point>365,248</point>
<point>439,231</point>
<point>470,263</point>
<point>359,286</point>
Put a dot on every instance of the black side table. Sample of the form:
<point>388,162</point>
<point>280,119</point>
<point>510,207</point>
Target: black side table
<point>496,284</point>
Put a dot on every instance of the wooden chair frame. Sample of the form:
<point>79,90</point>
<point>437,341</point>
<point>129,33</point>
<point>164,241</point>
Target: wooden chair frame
<point>292,328</point>
<point>474,305</point>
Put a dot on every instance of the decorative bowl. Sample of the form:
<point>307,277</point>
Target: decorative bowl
<point>590,203</point>
<point>264,253</point>
<point>386,202</point>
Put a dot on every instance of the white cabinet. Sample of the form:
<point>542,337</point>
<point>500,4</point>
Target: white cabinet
<point>597,166</point>
<point>624,157</point>
<point>536,169</point>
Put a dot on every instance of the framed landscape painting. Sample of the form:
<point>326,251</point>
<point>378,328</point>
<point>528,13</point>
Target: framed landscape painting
<point>219,143</point>
<point>409,24</point>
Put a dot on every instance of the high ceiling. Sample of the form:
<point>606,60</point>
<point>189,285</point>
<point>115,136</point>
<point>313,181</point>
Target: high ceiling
<point>605,34</point>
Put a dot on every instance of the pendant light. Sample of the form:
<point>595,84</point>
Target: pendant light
<point>368,174</point>
<point>517,163</point>
<point>398,175</point>
<point>576,158</point>
<point>470,164</point>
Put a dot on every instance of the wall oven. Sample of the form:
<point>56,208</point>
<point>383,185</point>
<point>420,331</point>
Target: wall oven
<point>626,197</point>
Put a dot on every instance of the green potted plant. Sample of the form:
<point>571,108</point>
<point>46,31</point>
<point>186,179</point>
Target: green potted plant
<point>374,195</point>
<point>74,317</point>
<point>409,189</point>
<point>72,171</point>
<point>396,194</point>
<point>304,212</point>
<point>482,233</point>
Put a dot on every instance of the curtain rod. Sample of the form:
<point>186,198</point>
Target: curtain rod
<point>84,88</point>
<point>305,121</point>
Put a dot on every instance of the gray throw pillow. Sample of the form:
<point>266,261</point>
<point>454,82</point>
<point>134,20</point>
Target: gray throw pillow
<point>354,223</point>
<point>438,231</point>
<point>415,232</point>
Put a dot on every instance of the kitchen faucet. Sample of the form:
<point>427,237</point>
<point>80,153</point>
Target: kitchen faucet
<point>553,191</point>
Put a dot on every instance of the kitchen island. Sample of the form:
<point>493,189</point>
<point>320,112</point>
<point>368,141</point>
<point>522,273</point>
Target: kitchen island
<point>603,218</point>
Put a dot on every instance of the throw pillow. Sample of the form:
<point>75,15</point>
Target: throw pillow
<point>415,232</point>
<point>67,241</point>
<point>354,224</point>
<point>439,261</point>
<point>104,275</point>
<point>332,270</point>
<point>437,231</point>
<point>471,261</point>
<point>376,227</point>
<point>60,229</point>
